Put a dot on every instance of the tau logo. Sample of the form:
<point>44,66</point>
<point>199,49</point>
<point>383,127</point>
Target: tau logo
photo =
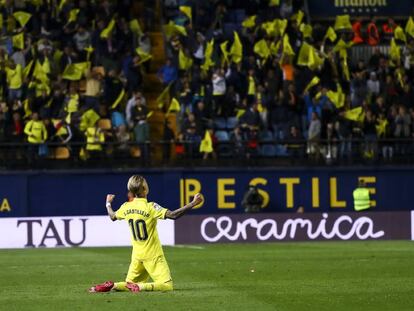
<point>54,230</point>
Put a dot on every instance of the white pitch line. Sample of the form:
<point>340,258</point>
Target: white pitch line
<point>189,246</point>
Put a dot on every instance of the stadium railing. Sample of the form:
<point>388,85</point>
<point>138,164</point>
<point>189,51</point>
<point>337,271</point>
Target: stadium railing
<point>54,155</point>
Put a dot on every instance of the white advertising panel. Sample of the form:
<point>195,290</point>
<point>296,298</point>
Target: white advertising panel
<point>72,231</point>
<point>412,225</point>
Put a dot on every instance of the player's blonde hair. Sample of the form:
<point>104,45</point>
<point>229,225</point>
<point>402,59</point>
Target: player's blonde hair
<point>137,185</point>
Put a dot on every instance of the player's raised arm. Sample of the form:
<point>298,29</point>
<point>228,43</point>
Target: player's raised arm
<point>198,199</point>
<point>111,213</point>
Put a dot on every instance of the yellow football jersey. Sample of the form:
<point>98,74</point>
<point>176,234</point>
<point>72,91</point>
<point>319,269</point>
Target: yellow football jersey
<point>142,217</point>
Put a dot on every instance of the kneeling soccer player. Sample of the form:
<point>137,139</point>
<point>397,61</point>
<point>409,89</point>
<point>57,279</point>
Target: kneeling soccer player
<point>147,260</point>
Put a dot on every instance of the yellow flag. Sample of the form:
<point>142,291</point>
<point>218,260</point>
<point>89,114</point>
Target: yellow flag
<point>395,52</point>
<point>381,127</point>
<point>57,56</point>
<point>108,30</point>
<point>315,81</point>
<point>89,50</point>
<point>274,47</point>
<point>187,11</point>
<point>26,108</point>
<point>356,114</point>
<point>83,155</point>
<point>135,27</point>
<point>331,34</point>
<point>174,106</point>
<point>275,27</point>
<point>27,69</point>
<point>73,15</point>
<point>206,144</point>
<point>171,29</point>
<point>184,62</point>
<point>399,73</point>
<point>236,49</point>
<point>75,71</point>
<point>409,27</point>
<point>223,48</point>
<point>271,28</point>
<point>262,49</point>
<point>164,96</point>
<point>287,48</point>
<point>342,47</point>
<point>337,98</point>
<point>118,99</point>
<point>61,4</point>
<point>345,69</point>
<point>240,112</point>
<point>274,3</point>
<point>249,22</point>
<point>18,41</point>
<point>298,17</point>
<point>22,17</point>
<point>144,56</point>
<point>208,62</point>
<point>88,119</point>
<point>399,34</point>
<point>303,56</point>
<point>312,61</point>
<point>282,24</point>
<point>37,3</point>
<point>306,30</point>
<point>180,29</point>
<point>342,22</point>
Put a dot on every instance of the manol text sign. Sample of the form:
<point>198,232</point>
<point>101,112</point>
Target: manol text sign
<point>360,7</point>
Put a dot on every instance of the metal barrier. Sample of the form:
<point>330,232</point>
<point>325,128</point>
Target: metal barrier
<point>186,153</point>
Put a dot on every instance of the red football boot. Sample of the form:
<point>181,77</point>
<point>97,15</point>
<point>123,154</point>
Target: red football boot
<point>132,287</point>
<point>102,288</point>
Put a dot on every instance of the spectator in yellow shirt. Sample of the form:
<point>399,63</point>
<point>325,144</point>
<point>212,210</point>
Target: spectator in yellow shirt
<point>35,130</point>
<point>94,140</point>
<point>36,133</point>
<point>93,89</point>
<point>14,80</point>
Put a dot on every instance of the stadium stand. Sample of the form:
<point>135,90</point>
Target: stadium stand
<point>170,81</point>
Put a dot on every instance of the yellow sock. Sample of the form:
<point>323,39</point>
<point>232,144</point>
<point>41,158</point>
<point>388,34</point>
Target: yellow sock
<point>121,287</point>
<point>167,286</point>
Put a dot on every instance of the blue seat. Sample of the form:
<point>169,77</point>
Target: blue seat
<point>231,16</point>
<point>229,28</point>
<point>184,2</point>
<point>180,21</point>
<point>281,151</point>
<point>232,123</point>
<point>222,136</point>
<point>266,136</point>
<point>240,15</point>
<point>225,149</point>
<point>117,119</point>
<point>220,124</point>
<point>268,150</point>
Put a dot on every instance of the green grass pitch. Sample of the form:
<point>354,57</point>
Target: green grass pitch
<point>274,276</point>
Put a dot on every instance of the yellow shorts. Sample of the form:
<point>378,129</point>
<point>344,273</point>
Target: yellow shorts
<point>141,270</point>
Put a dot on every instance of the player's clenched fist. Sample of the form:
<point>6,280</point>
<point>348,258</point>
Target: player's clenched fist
<point>110,198</point>
<point>198,199</point>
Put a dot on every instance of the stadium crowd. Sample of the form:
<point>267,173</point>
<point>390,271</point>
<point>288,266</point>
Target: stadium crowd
<point>67,65</point>
<point>245,79</point>
<point>265,80</point>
